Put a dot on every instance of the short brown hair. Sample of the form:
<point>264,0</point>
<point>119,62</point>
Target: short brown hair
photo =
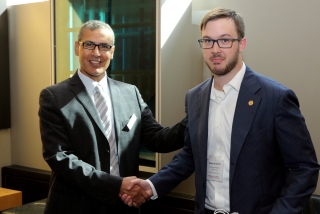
<point>219,13</point>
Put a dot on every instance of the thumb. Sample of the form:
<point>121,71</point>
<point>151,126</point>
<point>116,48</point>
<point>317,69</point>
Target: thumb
<point>134,182</point>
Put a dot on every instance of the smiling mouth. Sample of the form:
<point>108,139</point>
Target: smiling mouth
<point>94,62</point>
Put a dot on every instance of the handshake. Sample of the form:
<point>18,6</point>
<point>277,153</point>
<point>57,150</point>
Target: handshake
<point>135,191</point>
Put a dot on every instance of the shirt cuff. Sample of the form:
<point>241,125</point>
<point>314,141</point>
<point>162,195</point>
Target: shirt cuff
<point>155,194</point>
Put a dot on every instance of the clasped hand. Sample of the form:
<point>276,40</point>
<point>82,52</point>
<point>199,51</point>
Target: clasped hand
<point>134,191</point>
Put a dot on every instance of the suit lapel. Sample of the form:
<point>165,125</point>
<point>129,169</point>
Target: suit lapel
<point>202,110</point>
<point>78,88</point>
<point>246,108</point>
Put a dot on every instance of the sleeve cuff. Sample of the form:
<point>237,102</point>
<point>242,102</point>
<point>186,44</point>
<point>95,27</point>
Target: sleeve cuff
<point>155,194</point>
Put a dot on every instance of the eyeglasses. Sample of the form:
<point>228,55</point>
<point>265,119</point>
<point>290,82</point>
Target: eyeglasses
<point>222,43</point>
<point>92,46</point>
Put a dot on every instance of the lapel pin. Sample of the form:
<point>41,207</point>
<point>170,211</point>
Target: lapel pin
<point>250,103</point>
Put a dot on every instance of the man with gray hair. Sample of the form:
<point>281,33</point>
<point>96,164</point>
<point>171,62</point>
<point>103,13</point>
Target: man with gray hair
<point>91,127</point>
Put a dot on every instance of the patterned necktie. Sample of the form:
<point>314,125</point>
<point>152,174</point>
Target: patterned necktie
<point>102,108</point>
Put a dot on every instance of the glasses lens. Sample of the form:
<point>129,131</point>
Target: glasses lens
<point>206,43</point>
<point>88,45</point>
<point>225,43</point>
<point>104,47</point>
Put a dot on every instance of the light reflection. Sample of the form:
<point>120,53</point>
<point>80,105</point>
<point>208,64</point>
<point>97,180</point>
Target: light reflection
<point>3,7</point>
<point>171,13</point>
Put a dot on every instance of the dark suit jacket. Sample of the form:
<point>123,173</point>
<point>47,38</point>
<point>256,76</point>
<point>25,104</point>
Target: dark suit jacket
<point>273,165</point>
<point>77,150</point>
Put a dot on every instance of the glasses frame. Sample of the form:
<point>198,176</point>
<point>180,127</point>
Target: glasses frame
<point>217,41</point>
<point>95,45</point>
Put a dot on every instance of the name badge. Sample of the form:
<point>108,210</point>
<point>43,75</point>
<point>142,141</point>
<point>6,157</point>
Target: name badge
<point>215,169</point>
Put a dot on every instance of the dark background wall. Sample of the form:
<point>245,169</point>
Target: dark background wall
<point>4,72</point>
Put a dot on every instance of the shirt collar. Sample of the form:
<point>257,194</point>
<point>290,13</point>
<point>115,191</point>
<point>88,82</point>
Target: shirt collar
<point>90,84</point>
<point>237,79</point>
<point>235,83</point>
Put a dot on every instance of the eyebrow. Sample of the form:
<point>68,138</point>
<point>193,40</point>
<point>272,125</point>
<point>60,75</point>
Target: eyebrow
<point>222,36</point>
<point>104,43</point>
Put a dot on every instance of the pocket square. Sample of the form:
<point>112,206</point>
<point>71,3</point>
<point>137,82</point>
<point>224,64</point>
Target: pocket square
<point>132,120</point>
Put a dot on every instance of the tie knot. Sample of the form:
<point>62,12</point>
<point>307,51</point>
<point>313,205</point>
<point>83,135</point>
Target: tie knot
<point>98,94</point>
<point>98,88</point>
<point>98,91</point>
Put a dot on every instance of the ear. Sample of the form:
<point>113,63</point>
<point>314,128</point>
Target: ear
<point>76,48</point>
<point>242,44</point>
<point>112,51</point>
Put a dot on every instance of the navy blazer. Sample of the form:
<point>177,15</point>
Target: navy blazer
<point>273,165</point>
<point>77,150</point>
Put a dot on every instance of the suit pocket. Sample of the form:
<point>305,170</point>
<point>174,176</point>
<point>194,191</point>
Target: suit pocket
<point>127,125</point>
<point>124,126</point>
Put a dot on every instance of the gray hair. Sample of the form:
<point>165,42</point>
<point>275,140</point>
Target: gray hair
<point>95,25</point>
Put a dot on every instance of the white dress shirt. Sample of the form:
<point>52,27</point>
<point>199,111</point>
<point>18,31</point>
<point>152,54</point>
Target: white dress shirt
<point>90,85</point>
<point>221,112</point>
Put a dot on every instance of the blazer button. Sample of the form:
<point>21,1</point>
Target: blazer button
<point>107,151</point>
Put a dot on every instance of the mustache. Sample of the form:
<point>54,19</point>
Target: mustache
<point>216,55</point>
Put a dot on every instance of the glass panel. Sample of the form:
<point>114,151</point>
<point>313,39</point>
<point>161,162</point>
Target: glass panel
<point>133,22</point>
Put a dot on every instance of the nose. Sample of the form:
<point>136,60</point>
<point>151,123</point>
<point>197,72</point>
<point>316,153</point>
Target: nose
<point>215,48</point>
<point>96,51</point>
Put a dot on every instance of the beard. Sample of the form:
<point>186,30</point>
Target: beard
<point>220,71</point>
